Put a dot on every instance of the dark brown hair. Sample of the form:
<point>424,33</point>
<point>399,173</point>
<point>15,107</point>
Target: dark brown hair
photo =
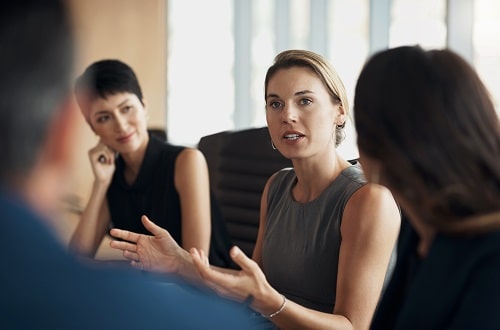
<point>429,120</point>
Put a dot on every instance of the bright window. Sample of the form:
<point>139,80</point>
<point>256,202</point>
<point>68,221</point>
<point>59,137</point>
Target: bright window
<point>418,22</point>
<point>204,57</point>
<point>486,46</point>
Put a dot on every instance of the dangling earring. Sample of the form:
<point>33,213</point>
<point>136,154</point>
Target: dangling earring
<point>272,145</point>
<point>334,135</point>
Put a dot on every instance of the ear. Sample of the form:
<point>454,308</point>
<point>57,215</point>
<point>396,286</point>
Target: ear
<point>340,116</point>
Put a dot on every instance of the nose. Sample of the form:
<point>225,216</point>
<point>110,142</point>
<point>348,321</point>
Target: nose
<point>289,114</point>
<point>121,123</point>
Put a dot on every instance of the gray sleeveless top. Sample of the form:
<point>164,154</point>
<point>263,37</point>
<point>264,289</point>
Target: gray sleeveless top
<point>301,244</point>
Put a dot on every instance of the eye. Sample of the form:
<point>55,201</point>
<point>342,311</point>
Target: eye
<point>127,108</point>
<point>102,119</point>
<point>274,104</point>
<point>305,101</point>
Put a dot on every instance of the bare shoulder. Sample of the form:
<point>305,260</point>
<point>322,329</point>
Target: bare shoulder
<point>372,206</point>
<point>190,167</point>
<point>190,157</point>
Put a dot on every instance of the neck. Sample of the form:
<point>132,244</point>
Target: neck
<point>313,177</point>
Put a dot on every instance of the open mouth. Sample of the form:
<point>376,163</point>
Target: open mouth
<point>292,137</point>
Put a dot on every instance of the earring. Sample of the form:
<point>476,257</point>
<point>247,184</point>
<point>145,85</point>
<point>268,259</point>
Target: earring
<point>272,145</point>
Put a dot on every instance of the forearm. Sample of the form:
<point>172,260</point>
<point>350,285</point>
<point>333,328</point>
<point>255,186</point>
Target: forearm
<point>295,316</point>
<point>196,233</point>
<point>90,229</point>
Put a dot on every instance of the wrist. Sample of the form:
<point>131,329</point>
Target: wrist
<point>279,310</point>
<point>268,304</point>
<point>101,185</point>
<point>185,267</point>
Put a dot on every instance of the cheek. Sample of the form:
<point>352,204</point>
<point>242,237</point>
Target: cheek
<point>324,125</point>
<point>142,119</point>
<point>106,135</point>
<point>273,123</point>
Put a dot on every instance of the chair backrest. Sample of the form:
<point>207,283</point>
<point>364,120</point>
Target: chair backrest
<point>159,132</point>
<point>240,162</point>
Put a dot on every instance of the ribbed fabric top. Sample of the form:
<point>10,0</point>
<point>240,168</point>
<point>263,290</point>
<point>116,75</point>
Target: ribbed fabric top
<point>302,240</point>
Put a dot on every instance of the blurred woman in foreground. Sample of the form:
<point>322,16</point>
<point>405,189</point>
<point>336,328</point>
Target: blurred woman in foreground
<point>427,129</point>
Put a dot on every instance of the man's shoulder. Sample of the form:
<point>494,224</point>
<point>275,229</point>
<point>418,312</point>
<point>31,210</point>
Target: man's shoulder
<point>49,288</point>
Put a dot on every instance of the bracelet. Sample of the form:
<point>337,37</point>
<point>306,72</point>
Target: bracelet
<point>282,307</point>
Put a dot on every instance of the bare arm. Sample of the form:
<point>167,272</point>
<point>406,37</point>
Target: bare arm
<point>192,184</point>
<point>369,229</point>
<point>160,253</point>
<point>95,218</point>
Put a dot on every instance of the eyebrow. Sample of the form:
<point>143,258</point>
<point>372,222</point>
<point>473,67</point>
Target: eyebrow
<point>306,91</point>
<point>123,103</point>
<point>119,106</point>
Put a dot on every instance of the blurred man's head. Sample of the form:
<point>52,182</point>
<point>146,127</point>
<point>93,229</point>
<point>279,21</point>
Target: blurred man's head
<point>36,62</point>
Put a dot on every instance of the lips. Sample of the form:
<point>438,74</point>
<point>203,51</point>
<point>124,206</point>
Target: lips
<point>292,136</point>
<point>126,138</point>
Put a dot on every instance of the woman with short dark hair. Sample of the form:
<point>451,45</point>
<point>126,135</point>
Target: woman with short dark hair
<point>138,174</point>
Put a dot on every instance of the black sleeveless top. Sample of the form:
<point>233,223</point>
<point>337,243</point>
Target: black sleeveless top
<point>153,194</point>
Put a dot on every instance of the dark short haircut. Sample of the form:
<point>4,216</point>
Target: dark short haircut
<point>108,77</point>
<point>428,119</point>
<point>36,62</point>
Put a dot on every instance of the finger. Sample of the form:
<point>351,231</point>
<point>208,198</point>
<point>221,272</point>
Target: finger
<point>152,227</point>
<point>240,258</point>
<point>202,267</point>
<point>124,246</point>
<point>137,264</point>
<point>198,261</point>
<point>125,235</point>
<point>204,258</point>
<point>218,281</point>
<point>206,272</point>
<point>131,256</point>
<point>101,153</point>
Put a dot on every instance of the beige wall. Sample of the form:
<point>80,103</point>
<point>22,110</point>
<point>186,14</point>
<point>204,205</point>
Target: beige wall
<point>133,31</point>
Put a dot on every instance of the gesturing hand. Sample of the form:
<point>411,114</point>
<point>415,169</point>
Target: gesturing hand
<point>158,253</point>
<point>250,281</point>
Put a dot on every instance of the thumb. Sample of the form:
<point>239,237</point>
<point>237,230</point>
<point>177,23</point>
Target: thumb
<point>152,227</point>
<point>240,258</point>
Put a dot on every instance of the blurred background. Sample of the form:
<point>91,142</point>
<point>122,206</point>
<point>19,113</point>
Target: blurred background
<point>202,63</point>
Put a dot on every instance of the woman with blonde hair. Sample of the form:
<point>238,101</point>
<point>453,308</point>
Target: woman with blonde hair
<point>325,236</point>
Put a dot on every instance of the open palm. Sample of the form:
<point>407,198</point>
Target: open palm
<point>158,252</point>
